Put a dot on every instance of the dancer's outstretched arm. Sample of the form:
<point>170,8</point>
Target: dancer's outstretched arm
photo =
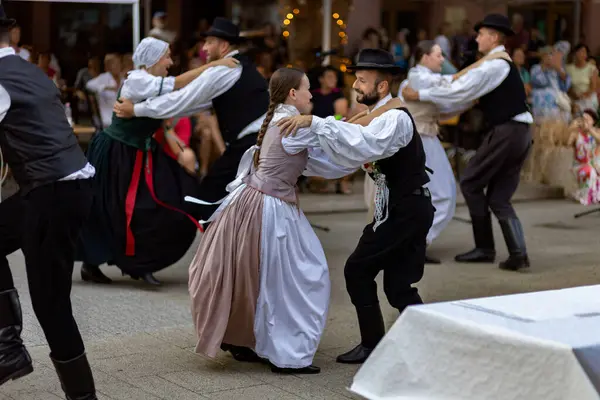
<point>352,145</point>
<point>197,96</point>
<point>187,77</point>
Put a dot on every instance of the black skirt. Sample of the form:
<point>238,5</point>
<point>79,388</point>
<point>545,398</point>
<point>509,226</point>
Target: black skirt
<point>139,229</point>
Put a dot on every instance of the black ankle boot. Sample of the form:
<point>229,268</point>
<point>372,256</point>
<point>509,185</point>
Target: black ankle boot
<point>148,278</point>
<point>76,378</point>
<point>372,330</point>
<point>515,242</point>
<point>243,354</point>
<point>484,251</point>
<point>15,361</point>
<point>92,273</point>
<point>310,370</point>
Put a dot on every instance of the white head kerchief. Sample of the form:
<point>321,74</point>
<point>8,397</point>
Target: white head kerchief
<point>149,52</point>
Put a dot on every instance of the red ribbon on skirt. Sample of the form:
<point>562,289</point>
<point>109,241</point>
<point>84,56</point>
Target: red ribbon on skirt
<point>132,195</point>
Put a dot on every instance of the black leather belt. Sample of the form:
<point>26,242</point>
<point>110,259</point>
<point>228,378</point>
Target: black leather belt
<point>422,192</point>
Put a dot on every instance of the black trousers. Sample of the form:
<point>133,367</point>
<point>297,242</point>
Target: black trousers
<point>496,166</point>
<point>397,248</point>
<point>45,225</point>
<point>221,173</point>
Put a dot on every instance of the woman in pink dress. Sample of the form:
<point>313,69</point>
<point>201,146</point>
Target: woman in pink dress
<point>586,165</point>
<point>259,281</point>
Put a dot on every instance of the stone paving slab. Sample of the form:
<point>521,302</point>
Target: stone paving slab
<point>140,341</point>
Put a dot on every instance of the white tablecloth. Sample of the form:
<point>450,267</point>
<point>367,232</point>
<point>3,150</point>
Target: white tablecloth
<point>535,346</point>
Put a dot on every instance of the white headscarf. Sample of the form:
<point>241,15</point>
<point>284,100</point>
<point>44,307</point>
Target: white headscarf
<point>149,52</point>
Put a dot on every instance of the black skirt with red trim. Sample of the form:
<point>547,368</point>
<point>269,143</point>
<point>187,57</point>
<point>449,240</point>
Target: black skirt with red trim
<point>139,220</point>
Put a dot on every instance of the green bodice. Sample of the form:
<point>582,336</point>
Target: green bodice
<point>136,132</point>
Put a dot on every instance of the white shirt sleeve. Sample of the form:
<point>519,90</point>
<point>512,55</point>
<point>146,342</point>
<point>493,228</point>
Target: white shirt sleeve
<point>352,145</point>
<point>468,88</point>
<point>195,97</point>
<point>319,163</point>
<point>100,83</point>
<point>4,102</point>
<point>141,85</point>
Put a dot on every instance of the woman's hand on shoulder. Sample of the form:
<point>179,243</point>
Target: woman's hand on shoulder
<point>228,62</point>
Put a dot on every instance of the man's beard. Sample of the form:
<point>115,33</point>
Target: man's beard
<point>368,99</point>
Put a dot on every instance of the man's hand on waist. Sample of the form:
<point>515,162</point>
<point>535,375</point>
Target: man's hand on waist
<point>124,108</point>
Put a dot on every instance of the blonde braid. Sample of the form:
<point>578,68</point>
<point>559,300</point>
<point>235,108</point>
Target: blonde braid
<point>263,130</point>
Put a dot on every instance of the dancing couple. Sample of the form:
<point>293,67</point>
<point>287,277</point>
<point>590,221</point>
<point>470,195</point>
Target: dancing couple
<point>140,221</point>
<point>259,281</point>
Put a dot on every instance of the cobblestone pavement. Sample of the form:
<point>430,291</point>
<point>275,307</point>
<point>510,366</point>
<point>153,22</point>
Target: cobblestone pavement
<point>140,341</point>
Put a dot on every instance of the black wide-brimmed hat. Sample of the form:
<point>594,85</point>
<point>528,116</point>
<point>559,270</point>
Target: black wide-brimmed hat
<point>223,28</point>
<point>498,22</point>
<point>5,22</point>
<point>375,59</point>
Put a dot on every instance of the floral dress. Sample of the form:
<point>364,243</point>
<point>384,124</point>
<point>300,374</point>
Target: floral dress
<point>586,167</point>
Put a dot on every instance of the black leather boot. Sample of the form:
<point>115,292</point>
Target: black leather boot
<point>148,278</point>
<point>92,273</point>
<point>76,378</point>
<point>484,251</point>
<point>310,370</point>
<point>372,330</point>
<point>15,361</point>
<point>515,242</point>
<point>243,354</point>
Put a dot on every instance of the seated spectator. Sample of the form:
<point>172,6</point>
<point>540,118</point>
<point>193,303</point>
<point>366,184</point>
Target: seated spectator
<point>105,87</point>
<point>44,63</point>
<point>519,60</point>
<point>174,137</point>
<point>584,78</point>
<point>550,83</point>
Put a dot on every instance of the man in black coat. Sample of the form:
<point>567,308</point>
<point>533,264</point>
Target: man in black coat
<point>43,219</point>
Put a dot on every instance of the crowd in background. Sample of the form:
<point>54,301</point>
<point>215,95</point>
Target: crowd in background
<point>561,80</point>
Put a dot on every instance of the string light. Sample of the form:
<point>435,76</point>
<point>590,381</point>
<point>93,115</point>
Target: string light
<point>336,16</point>
<point>286,33</point>
<point>342,34</point>
<point>340,22</point>
<point>286,21</point>
<point>296,11</point>
<point>290,16</point>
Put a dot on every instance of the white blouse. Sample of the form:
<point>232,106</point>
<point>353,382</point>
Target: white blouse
<point>141,85</point>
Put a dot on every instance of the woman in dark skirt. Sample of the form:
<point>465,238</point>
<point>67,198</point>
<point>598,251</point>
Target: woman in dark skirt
<point>139,221</point>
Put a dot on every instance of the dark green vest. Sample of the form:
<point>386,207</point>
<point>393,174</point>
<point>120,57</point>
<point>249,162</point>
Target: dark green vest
<point>136,132</point>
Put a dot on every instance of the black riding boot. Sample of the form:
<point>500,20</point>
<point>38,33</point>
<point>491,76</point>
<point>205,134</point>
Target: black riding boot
<point>372,330</point>
<point>515,242</point>
<point>15,361</point>
<point>76,378</point>
<point>484,251</point>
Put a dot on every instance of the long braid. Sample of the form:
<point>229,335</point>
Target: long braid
<point>282,82</point>
<point>263,130</point>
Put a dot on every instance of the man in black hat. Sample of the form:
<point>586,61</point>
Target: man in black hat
<point>495,168</point>
<point>239,96</point>
<point>395,241</point>
<point>43,219</point>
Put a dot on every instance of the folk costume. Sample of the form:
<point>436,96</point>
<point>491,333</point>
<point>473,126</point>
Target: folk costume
<point>442,184</point>
<point>239,97</point>
<point>43,220</point>
<point>139,220</point>
<point>396,240</point>
<point>497,164</point>
<point>260,260</point>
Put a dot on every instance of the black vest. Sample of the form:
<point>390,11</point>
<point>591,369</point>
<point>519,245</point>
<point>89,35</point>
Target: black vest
<point>405,170</point>
<point>36,140</point>
<point>506,101</point>
<point>244,103</point>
